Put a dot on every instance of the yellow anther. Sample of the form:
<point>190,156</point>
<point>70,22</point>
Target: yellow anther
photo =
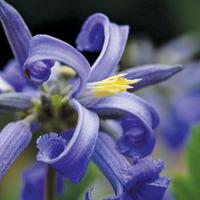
<point>112,85</point>
<point>67,71</point>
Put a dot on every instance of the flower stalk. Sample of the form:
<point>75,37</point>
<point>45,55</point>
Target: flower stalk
<point>50,184</point>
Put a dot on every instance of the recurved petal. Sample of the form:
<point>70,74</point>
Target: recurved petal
<point>13,140</point>
<point>33,182</point>
<point>99,34</point>
<point>150,74</point>
<point>71,158</point>
<point>130,182</point>
<point>152,191</point>
<point>16,30</point>
<point>43,48</point>
<point>126,103</point>
<point>144,170</point>
<point>138,139</point>
<point>135,139</point>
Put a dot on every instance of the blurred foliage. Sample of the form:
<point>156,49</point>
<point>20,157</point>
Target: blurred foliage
<point>187,186</point>
<point>76,191</point>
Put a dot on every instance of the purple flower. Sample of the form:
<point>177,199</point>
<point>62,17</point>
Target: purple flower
<point>14,138</point>
<point>139,181</point>
<point>95,93</point>
<point>34,181</point>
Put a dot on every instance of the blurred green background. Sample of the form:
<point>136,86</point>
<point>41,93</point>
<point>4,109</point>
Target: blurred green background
<point>159,20</point>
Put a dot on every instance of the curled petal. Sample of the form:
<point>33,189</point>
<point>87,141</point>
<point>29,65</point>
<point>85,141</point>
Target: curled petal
<point>16,30</point>
<point>71,158</point>
<point>13,101</point>
<point>34,180</point>
<point>135,140</point>
<point>152,191</point>
<point>124,103</point>
<point>13,140</point>
<point>150,74</point>
<point>99,34</point>
<point>145,169</point>
<point>129,181</point>
<point>43,48</point>
<point>139,138</point>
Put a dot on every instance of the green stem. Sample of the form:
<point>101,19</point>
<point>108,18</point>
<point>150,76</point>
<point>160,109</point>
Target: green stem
<point>50,184</point>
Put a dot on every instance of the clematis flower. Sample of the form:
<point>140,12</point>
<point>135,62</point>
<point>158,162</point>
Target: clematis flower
<point>139,181</point>
<point>94,94</point>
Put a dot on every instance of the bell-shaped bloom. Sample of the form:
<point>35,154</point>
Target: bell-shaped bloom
<point>14,138</point>
<point>139,181</point>
<point>70,156</point>
<point>34,181</point>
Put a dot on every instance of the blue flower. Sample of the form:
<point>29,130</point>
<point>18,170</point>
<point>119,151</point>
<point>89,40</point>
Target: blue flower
<point>95,93</point>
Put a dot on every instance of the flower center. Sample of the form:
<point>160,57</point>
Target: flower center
<point>112,85</point>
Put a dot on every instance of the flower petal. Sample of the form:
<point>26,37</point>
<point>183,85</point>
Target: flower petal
<point>144,170</point>
<point>13,101</point>
<point>99,34</point>
<point>135,139</point>
<point>125,102</point>
<point>13,140</point>
<point>128,181</point>
<point>71,159</point>
<point>16,30</point>
<point>152,191</point>
<point>110,162</point>
<point>150,74</point>
<point>44,47</point>
<point>138,139</point>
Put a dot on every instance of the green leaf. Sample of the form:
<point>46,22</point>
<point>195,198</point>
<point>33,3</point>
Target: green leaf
<point>193,155</point>
<point>186,187</point>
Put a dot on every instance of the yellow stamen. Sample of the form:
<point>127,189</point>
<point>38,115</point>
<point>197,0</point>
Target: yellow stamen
<point>67,71</point>
<point>113,85</point>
